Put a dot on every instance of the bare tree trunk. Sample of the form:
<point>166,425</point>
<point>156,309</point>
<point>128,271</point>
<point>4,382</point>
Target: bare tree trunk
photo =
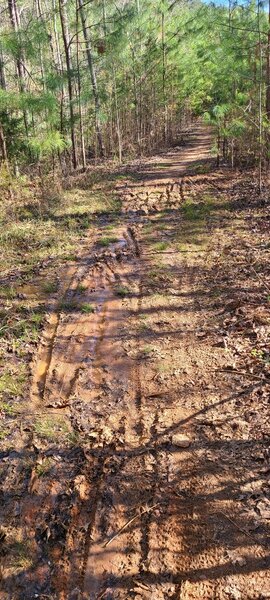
<point>267,100</point>
<point>218,147</point>
<point>104,18</point>
<point>268,67</point>
<point>90,61</point>
<point>66,41</point>
<point>118,128</point>
<point>260,96</point>
<point>40,17</point>
<point>3,84</point>
<point>165,108</point>
<point>79,91</point>
<point>58,60</point>
<point>15,23</point>
<point>3,145</point>
<point>117,114</point>
<point>136,104</point>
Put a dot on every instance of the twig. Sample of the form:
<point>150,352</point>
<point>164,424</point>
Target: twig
<point>260,278</point>
<point>146,510</point>
<point>240,528</point>
<point>253,376</point>
<point>102,594</point>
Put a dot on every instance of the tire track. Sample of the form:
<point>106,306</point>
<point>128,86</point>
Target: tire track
<point>143,532</point>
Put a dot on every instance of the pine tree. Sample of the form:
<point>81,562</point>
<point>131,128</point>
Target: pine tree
<point>114,78</point>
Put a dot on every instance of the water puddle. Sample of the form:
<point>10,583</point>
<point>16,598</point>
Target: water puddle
<point>76,325</point>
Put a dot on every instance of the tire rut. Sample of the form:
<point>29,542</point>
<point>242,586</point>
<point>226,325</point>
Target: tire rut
<point>130,374</point>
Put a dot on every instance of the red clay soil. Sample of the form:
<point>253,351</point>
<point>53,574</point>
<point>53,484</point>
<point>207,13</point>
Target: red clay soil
<point>156,364</point>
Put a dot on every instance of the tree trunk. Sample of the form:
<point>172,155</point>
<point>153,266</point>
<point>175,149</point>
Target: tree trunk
<point>268,68</point>
<point>41,59</point>
<point>267,99</point>
<point>260,50</point>
<point>136,104</point>
<point>15,24</point>
<point>90,61</point>
<point>164,78</point>
<point>79,91</point>
<point>66,41</point>
<point>3,146</point>
<point>3,84</point>
<point>118,128</point>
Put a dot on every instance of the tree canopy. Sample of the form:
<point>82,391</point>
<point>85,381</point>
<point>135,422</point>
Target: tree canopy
<point>84,79</point>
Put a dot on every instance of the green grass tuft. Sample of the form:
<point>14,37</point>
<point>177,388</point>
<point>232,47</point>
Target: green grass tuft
<point>68,305</point>
<point>81,288</point>
<point>160,246</point>
<point>87,308</point>
<point>12,381</point>
<point>49,428</point>
<point>107,240</point>
<point>7,292</point>
<point>122,291</point>
<point>50,287</point>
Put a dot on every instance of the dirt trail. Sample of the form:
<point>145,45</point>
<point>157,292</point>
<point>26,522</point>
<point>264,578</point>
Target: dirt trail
<point>155,491</point>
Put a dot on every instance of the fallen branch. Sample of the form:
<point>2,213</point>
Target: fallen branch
<point>245,373</point>
<point>260,279</point>
<point>139,514</point>
<point>240,528</point>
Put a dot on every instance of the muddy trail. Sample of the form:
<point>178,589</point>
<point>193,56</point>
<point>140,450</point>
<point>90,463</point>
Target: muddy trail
<point>162,490</point>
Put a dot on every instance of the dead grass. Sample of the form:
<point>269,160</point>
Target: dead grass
<point>51,428</point>
<point>12,381</point>
<point>29,235</point>
<point>20,555</point>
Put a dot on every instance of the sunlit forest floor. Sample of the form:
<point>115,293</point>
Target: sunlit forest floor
<point>134,384</point>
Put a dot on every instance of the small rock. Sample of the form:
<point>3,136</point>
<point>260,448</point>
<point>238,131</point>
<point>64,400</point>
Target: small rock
<point>264,508</point>
<point>232,305</point>
<point>75,594</point>
<point>233,592</point>
<point>181,440</point>
<point>221,343</point>
<point>201,334</point>
<point>236,559</point>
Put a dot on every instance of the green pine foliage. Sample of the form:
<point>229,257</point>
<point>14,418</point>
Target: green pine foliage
<point>156,64</point>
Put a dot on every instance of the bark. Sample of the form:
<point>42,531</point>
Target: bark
<point>267,103</point>
<point>92,73</point>
<point>79,93</point>
<point>165,109</point>
<point>3,146</point>
<point>118,128</point>
<point>136,104</point>
<point>268,68</point>
<point>21,73</point>
<point>3,84</point>
<point>15,22</point>
<point>42,70</point>
<point>66,42</point>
